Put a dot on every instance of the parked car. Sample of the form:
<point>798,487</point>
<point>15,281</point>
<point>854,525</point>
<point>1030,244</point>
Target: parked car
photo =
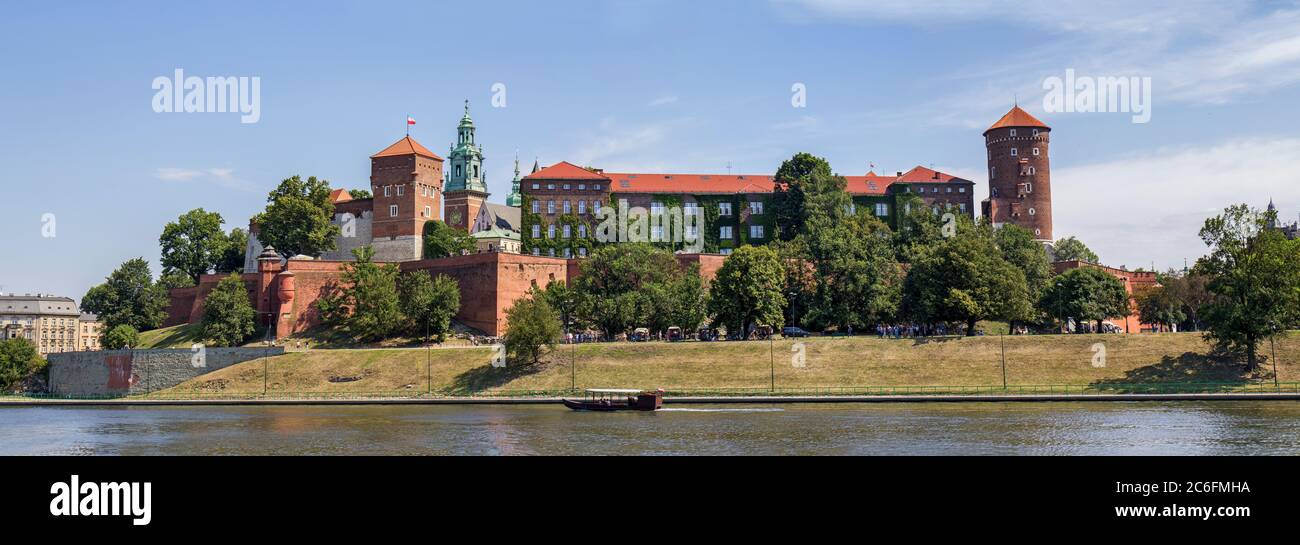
<point>639,334</point>
<point>791,331</point>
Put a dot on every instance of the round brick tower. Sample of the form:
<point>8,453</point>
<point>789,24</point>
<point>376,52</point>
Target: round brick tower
<point>1020,182</point>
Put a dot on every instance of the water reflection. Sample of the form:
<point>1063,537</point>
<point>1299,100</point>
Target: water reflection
<point>1210,428</point>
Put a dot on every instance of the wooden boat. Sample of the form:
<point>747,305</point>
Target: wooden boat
<point>614,399</point>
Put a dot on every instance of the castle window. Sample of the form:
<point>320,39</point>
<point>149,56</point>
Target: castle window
<point>536,206</point>
<point>725,251</point>
<point>386,188</point>
<point>551,252</point>
<point>692,233</point>
<point>724,232</point>
<point>392,210</point>
<point>596,187</point>
<point>401,190</point>
<point>582,187</point>
<point>537,186</point>
<point>882,209</point>
<point>656,233</point>
<point>537,231</point>
<point>566,231</point>
<point>582,252</point>
<point>567,207</point>
<point>595,207</point>
<point>550,207</point>
<point>656,207</point>
<point>537,251</point>
<point>724,209</point>
<point>1035,152</point>
<point>428,212</point>
<point>756,207</point>
<point>1015,152</point>
<point>568,253</point>
<point>582,231</point>
<point>1013,133</point>
<point>550,186</point>
<point>1032,211</point>
<point>961,206</point>
<point>582,207</point>
<point>1038,232</point>
<point>755,231</point>
<point>457,171</point>
<point>550,231</point>
<point>1035,132</point>
<point>947,190</point>
<point>961,190</point>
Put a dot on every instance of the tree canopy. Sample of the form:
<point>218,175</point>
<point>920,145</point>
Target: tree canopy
<point>532,329</point>
<point>297,219</point>
<point>128,297</point>
<point>1086,294</point>
<point>228,317</point>
<point>442,240</point>
<point>965,279</point>
<point>428,302</point>
<point>194,244</point>
<point>747,290</point>
<point>1073,249</point>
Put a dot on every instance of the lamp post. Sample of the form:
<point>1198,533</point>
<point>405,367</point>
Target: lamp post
<point>1276,385</point>
<point>428,356</point>
<point>771,354</point>
<point>1004,361</point>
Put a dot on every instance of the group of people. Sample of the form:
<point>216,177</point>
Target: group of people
<point>907,331</point>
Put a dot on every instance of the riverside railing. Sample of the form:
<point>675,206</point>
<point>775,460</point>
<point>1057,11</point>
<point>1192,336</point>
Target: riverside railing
<point>757,391</point>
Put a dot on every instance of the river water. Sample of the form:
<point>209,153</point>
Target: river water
<point>1090,428</point>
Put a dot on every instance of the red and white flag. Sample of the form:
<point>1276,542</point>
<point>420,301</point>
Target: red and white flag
<point>410,120</point>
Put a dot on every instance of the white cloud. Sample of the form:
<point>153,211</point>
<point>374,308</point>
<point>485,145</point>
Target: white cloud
<point>1140,209</point>
<point>663,100</point>
<point>613,143</point>
<point>224,177</point>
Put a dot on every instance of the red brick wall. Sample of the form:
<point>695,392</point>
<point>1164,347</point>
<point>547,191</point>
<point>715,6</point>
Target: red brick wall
<point>180,302</point>
<point>1012,204</point>
<point>1134,282</point>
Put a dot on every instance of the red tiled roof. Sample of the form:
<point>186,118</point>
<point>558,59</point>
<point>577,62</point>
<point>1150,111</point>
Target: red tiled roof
<point>689,183</point>
<point>920,174</point>
<point>871,184</point>
<point>340,195</point>
<point>565,170</point>
<point>406,146</point>
<point>1017,118</point>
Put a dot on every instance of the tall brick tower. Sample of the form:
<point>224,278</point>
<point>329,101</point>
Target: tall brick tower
<point>466,188</point>
<point>406,181</point>
<point>1020,182</point>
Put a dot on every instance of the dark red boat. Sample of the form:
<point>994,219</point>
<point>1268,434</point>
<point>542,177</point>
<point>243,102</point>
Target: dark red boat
<point>613,399</point>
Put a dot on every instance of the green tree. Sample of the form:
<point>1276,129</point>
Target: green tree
<point>428,303</point>
<point>232,259</point>
<point>565,300</point>
<point>128,297</point>
<point>19,359</point>
<point>532,330</point>
<point>1254,274</point>
<point>121,336</point>
<point>358,194</point>
<point>228,317</point>
<point>1160,305</point>
<point>965,279</point>
<point>747,290</point>
<point>1191,290</point>
<point>613,286</point>
<point>799,182</point>
<point>1019,248</point>
<point>1085,294</point>
<point>297,218</point>
<point>175,279</point>
<point>364,305</point>
<point>857,281</point>
<point>920,229</point>
<point>193,244</point>
<point>442,240</point>
<point>800,287</point>
<point>1072,249</point>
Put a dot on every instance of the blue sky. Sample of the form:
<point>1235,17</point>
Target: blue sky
<point>632,85</point>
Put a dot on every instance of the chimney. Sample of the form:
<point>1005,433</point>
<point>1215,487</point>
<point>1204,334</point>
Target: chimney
<point>936,175</point>
<point>899,175</point>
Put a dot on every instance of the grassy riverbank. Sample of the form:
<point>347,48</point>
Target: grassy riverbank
<point>1131,362</point>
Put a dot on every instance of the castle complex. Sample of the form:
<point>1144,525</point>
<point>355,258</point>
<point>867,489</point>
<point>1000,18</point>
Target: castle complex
<point>547,223</point>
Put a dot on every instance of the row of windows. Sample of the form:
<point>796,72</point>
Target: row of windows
<point>393,210</point>
<point>656,232</point>
<point>568,252</point>
<point>425,190</point>
<point>567,187</point>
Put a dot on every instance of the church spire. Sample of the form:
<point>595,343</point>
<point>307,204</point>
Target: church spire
<point>466,170</point>
<point>515,199</point>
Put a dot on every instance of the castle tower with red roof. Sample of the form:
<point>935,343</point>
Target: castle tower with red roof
<point>406,181</point>
<point>1020,183</point>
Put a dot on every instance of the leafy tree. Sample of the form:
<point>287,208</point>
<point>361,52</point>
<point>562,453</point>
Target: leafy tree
<point>175,279</point>
<point>121,336</point>
<point>799,182</point>
<point>1085,294</point>
<point>194,244</point>
<point>747,290</point>
<point>532,330</point>
<point>1160,305</point>
<point>1191,291</point>
<point>800,285</point>
<point>228,317</point>
<point>1072,249</point>
<point>615,281</point>
<point>1254,273</point>
<point>128,297</point>
<point>297,218</point>
<point>364,305</point>
<point>19,359</point>
<point>857,282</point>
<point>428,303</point>
<point>1019,248</point>
<point>965,278</point>
<point>565,300</point>
<point>920,229</point>
<point>358,194</point>
<point>232,259</point>
<point>442,240</point>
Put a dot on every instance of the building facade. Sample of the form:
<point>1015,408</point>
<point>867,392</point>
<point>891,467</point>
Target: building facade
<point>53,324</point>
<point>1020,182</point>
<point>561,203</point>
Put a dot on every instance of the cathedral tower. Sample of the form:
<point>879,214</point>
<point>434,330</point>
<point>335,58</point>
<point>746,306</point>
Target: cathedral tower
<point>466,190</point>
<point>1020,183</point>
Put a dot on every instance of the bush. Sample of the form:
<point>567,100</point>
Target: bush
<point>228,317</point>
<point>120,337</point>
<point>532,329</point>
<point>18,360</point>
